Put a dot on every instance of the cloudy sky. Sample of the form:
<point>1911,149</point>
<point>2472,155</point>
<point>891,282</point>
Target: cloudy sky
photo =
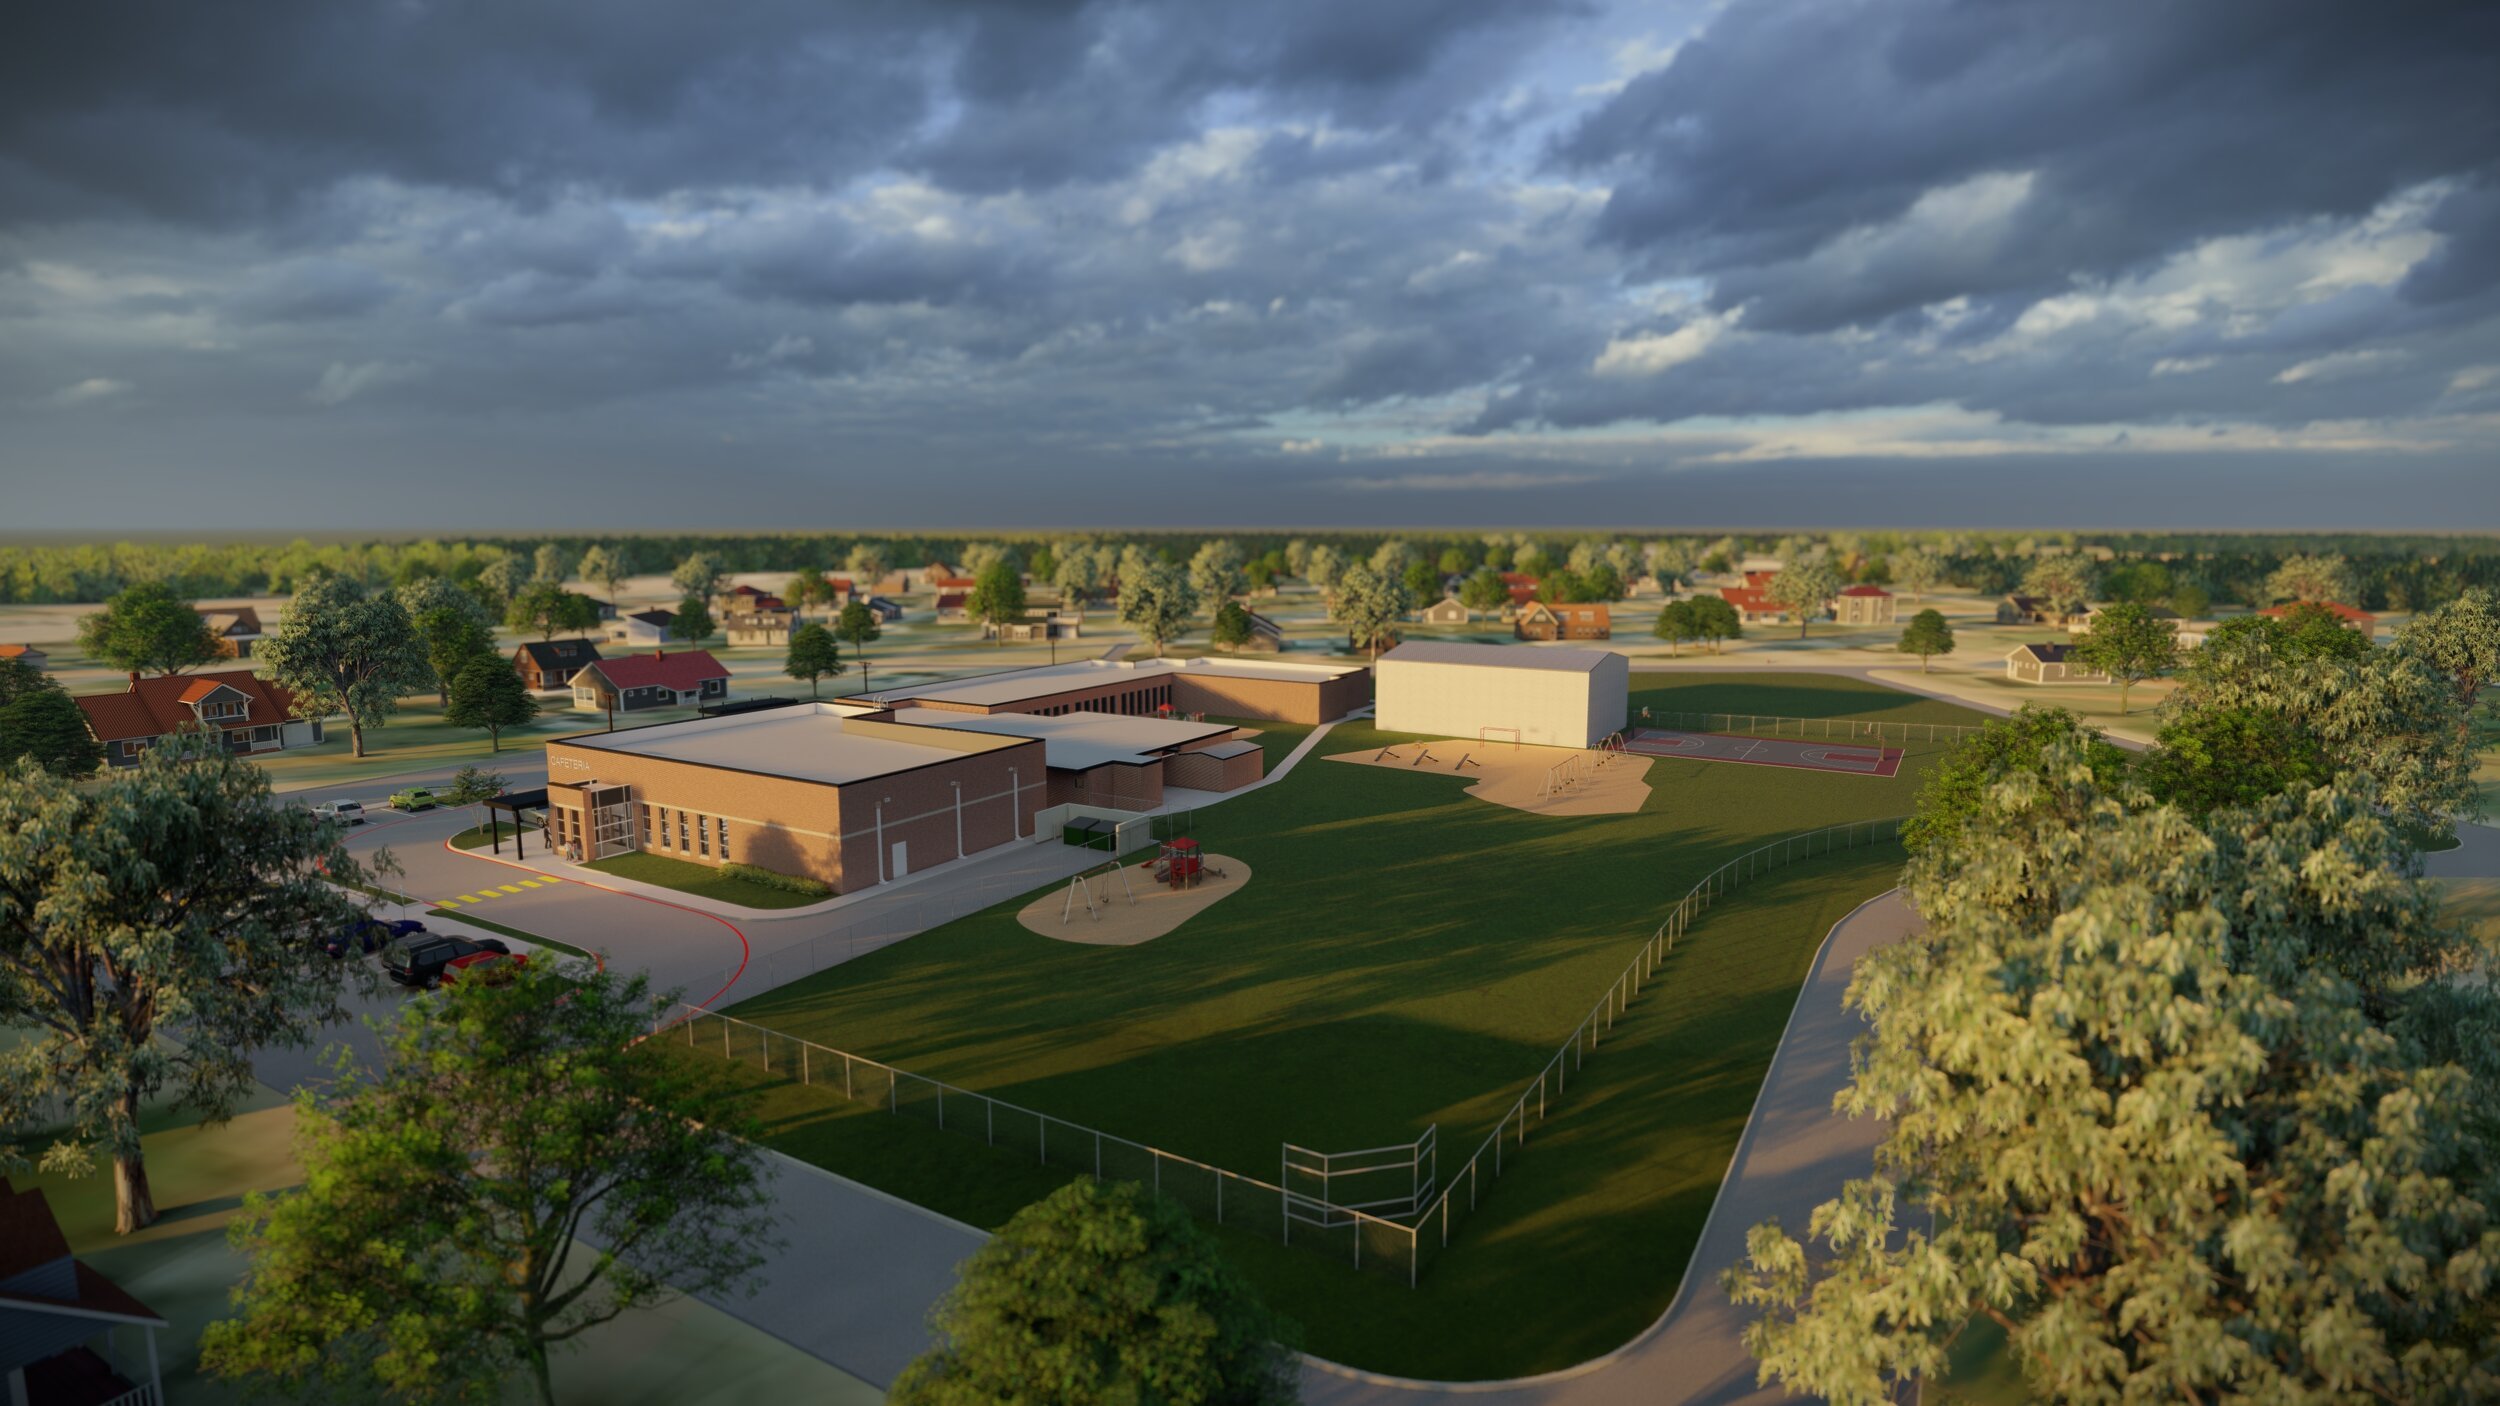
<point>339,265</point>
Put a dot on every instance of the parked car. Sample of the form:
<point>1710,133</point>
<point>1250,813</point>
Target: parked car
<point>419,959</point>
<point>483,966</point>
<point>369,935</point>
<point>343,812</point>
<point>414,798</point>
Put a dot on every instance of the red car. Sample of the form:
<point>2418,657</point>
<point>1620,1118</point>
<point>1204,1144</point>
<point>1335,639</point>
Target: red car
<point>482,964</point>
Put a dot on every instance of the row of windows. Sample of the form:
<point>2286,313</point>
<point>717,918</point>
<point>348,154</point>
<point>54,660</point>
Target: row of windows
<point>686,832</point>
<point>1135,703</point>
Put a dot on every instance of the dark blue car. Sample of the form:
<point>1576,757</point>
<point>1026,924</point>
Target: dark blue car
<point>369,935</point>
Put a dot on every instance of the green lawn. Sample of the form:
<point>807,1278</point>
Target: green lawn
<point>701,880</point>
<point>1406,956</point>
<point>480,836</point>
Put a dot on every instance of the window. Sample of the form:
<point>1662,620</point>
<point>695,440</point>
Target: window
<point>720,826</point>
<point>646,824</point>
<point>132,749</point>
<point>681,830</point>
<point>703,836</point>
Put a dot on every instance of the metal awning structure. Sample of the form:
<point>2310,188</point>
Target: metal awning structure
<point>514,802</point>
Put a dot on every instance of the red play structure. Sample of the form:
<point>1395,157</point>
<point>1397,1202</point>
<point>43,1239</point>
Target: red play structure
<point>1180,863</point>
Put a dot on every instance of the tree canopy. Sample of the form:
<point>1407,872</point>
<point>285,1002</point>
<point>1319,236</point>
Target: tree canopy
<point>1156,601</point>
<point>1927,634</point>
<point>1216,572</point>
<point>39,721</point>
<point>1369,605</point>
<point>147,629</point>
<point>814,653</point>
<point>2129,643</point>
<point>341,648</point>
<point>998,594</point>
<point>1952,794</point>
<point>1102,1295</point>
<point>1805,587</point>
<point>1232,626</point>
<point>693,621</point>
<point>489,694</point>
<point>2062,581</point>
<point>524,1167</point>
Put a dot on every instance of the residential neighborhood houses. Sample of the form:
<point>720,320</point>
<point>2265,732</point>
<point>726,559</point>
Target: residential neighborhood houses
<point>660,679</point>
<point>236,710</point>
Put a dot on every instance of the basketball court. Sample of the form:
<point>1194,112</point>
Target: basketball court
<point>1850,758</point>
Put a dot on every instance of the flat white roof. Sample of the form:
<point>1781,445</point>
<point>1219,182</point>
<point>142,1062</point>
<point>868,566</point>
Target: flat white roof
<point>1074,741</point>
<point>1016,685</point>
<point>1498,656</point>
<point>807,742</point>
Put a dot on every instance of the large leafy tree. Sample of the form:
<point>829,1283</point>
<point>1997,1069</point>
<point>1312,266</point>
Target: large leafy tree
<point>2158,1105</point>
<point>1805,586</point>
<point>1716,621</point>
<point>2129,643</point>
<point>1483,590</point>
<point>1676,623</point>
<point>147,629</point>
<point>1077,572</point>
<point>1927,634</point>
<point>607,567</point>
<point>868,563</point>
<point>1156,601</point>
<point>2211,759</point>
<point>814,653</point>
<point>2321,578</point>
<point>1369,604</point>
<point>451,624</point>
<point>2461,640</point>
<point>1216,572</point>
<point>998,594</point>
<point>857,627</point>
<point>499,581</point>
<point>698,575</point>
<point>1102,1295</point>
<point>1323,567</point>
<point>1231,629</point>
<point>551,565</point>
<point>157,927</point>
<point>548,608</point>
<point>41,722</point>
<point>1917,571</point>
<point>523,1168</point>
<point>490,695</point>
<point>693,621</point>
<point>2062,581</point>
<point>343,649</point>
<point>1952,794</point>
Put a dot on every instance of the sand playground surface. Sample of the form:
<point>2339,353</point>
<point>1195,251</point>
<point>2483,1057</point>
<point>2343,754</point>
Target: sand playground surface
<point>1140,911</point>
<point>1524,778</point>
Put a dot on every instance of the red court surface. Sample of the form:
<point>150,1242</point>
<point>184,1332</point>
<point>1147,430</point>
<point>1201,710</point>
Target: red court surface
<point>1851,758</point>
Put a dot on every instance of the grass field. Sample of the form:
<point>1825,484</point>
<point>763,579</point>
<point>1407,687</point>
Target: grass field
<point>1406,956</point>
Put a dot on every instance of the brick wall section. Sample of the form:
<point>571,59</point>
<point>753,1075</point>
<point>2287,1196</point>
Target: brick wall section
<point>1197,771</point>
<point>817,829</point>
<point>1277,699</point>
<point>1111,786</point>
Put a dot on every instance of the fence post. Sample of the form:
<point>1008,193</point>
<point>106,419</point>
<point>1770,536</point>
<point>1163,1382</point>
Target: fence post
<point>989,1121</point>
<point>803,1063</point>
<point>1098,1154</point>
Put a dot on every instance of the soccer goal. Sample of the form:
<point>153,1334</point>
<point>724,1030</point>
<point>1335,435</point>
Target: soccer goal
<point>1496,734</point>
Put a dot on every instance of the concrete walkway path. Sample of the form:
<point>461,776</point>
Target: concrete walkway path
<point>1794,1154</point>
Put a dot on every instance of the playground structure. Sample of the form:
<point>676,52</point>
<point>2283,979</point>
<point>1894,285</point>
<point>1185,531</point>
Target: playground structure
<point>1607,780</point>
<point>1081,890</point>
<point>1582,767</point>
<point>1180,864</point>
<point>1108,906</point>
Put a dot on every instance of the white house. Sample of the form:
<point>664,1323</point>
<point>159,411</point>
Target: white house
<point>1543,696</point>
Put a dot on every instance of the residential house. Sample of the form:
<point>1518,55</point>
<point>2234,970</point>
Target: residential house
<point>952,608</point>
<point>952,585</point>
<point>2028,610</point>
<point>643,627</point>
<point>762,627</point>
<point>1447,611</point>
<point>1024,629</point>
<point>234,630</point>
<point>240,712</point>
<point>2353,619</point>
<point>1522,587</point>
<point>1863,605</point>
<point>2048,663</point>
<point>750,599</point>
<point>884,608</point>
<point>25,654</point>
<point>54,1312</point>
<point>606,609</point>
<point>1541,620</point>
<point>1754,605</point>
<point>2082,620</point>
<point>655,680</point>
<point>548,666</point>
<point>840,591</point>
<point>1759,564</point>
<point>1266,636</point>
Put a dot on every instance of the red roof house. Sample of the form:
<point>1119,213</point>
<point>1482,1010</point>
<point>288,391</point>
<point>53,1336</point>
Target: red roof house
<point>56,1308</point>
<point>655,680</point>
<point>2361,620</point>
<point>241,712</point>
<point>1753,604</point>
<point>1521,585</point>
<point>1863,605</point>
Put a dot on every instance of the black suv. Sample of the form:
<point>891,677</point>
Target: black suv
<point>419,959</point>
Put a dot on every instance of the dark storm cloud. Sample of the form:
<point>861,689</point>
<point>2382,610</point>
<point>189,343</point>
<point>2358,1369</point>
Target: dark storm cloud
<point>2144,127</point>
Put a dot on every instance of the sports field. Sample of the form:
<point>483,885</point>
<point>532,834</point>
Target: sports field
<point>1406,955</point>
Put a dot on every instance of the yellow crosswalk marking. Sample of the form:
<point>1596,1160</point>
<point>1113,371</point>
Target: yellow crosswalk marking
<point>529,883</point>
<point>471,898</point>
<point>511,888</point>
<point>445,903</point>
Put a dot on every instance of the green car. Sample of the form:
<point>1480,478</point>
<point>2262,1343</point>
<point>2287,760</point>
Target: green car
<point>414,798</point>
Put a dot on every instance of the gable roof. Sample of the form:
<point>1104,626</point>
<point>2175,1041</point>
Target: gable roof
<point>1760,580</point>
<point>1750,598</point>
<point>684,671</point>
<point>13,651</point>
<point>952,583</point>
<point>157,706</point>
<point>560,654</point>
<point>30,1237</point>
<point>242,620</point>
<point>1261,624</point>
<point>2044,653</point>
<point>658,619</point>
<point>951,600</point>
<point>1866,591</point>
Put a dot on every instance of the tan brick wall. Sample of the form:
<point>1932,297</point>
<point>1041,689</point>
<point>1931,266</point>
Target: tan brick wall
<point>1116,786</point>
<point>1199,772</point>
<point>1277,699</point>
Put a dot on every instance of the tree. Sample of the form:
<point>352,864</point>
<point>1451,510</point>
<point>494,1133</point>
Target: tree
<point>693,621</point>
<point>699,576</point>
<point>1928,633</point>
<point>552,566</point>
<point>1670,561</point>
<point>2129,643</point>
<point>1483,590</point>
<point>1109,1296</point>
<point>1952,793</point>
<point>1326,564</point>
<point>998,595</point>
<point>548,608</point>
<point>1805,586</point>
<point>813,654</point>
<point>1391,558</point>
<point>342,649</point>
<point>173,897</point>
<point>441,1243</point>
<point>1421,581</point>
<point>2157,1106</point>
<point>147,629</point>
<point>2460,639</point>
<point>490,694</point>
<point>868,563</point>
<point>977,557</point>
<point>451,626</point>
<point>471,788</point>
<point>41,723</point>
<point>1676,623</point>
<point>1298,558</point>
<point>857,627</point>
<point>1602,582</point>
<point>498,582</point>
<point>1454,561</point>
<point>2062,581</point>
<point>1715,620</point>
<point>1917,571</point>
<point>1156,601</point>
<point>607,568</point>
<point>1077,573</point>
<point>2321,578</point>
<point>2211,759</point>
<point>1369,604</point>
<point>1215,572</point>
<point>1232,626</point>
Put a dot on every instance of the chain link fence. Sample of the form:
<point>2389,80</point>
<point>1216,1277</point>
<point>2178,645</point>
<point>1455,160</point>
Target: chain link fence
<point>1400,1249</point>
<point>1828,729</point>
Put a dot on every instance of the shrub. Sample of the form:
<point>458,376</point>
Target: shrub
<point>775,879</point>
